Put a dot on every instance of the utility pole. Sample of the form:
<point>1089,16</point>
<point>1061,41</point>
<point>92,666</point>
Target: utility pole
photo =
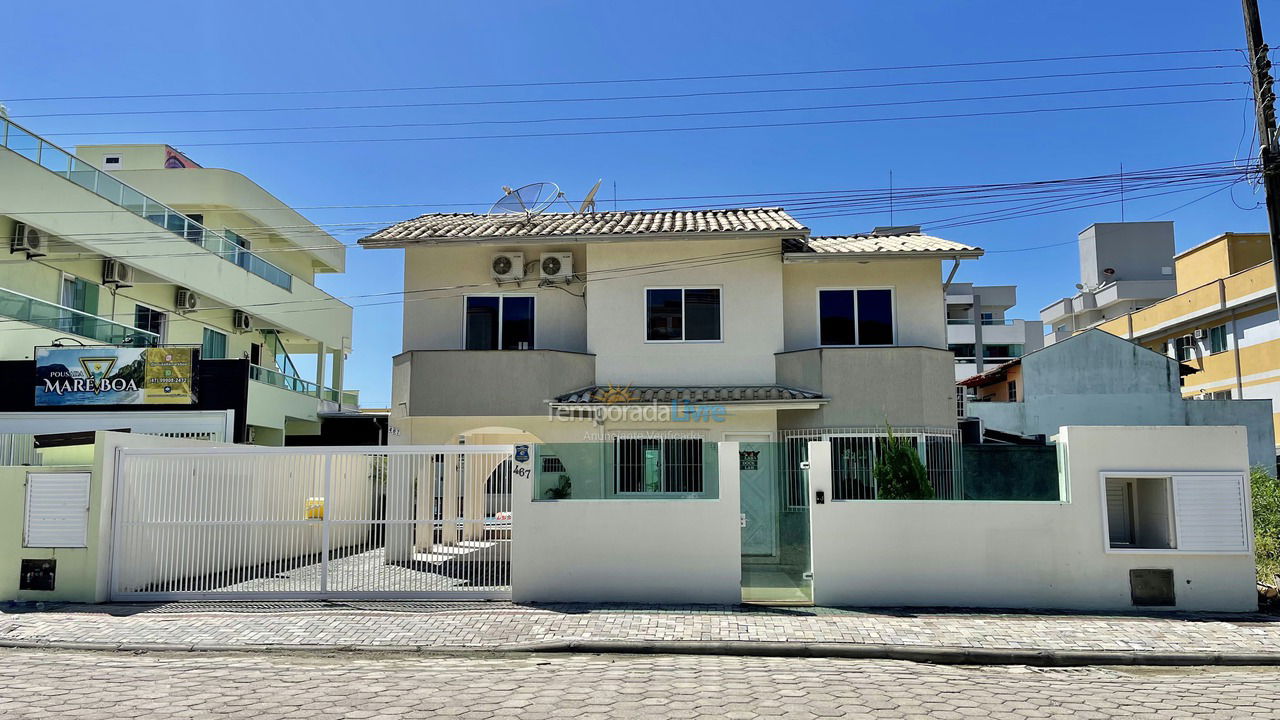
<point>1264,100</point>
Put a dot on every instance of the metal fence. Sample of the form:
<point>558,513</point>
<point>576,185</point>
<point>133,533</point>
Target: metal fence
<point>312,523</point>
<point>855,453</point>
<point>21,449</point>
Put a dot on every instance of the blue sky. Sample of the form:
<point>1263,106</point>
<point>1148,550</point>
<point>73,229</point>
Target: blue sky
<point>156,47</point>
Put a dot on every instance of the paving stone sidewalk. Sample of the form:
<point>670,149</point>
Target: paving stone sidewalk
<point>498,625</point>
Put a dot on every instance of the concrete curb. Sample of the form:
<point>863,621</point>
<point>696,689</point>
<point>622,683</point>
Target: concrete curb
<point>940,655</point>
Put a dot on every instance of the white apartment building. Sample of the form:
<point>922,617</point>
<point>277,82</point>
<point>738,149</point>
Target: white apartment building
<point>1124,267</point>
<point>136,246</point>
<point>976,319</point>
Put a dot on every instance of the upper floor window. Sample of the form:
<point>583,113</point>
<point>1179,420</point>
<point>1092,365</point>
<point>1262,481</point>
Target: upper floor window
<point>1218,339</point>
<point>213,345</point>
<point>1184,348</point>
<point>855,317</point>
<point>682,314</point>
<point>149,319</point>
<point>499,322</point>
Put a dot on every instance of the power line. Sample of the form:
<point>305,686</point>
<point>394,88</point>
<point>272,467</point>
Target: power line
<point>665,96</point>
<point>650,116</point>
<point>822,204</point>
<point>678,78</point>
<point>636,131</point>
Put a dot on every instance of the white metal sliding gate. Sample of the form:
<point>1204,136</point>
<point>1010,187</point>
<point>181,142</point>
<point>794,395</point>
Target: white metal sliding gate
<point>312,523</point>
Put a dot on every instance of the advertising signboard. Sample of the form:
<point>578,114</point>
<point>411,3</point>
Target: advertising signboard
<point>106,375</point>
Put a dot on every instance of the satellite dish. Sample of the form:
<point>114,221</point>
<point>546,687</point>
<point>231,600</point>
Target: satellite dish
<point>1108,271</point>
<point>1079,286</point>
<point>526,201</point>
<point>589,204</point>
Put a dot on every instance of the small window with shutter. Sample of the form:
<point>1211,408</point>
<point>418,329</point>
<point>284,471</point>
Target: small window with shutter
<point>57,511</point>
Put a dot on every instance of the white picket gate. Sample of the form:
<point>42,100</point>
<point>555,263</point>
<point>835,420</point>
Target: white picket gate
<point>247,522</point>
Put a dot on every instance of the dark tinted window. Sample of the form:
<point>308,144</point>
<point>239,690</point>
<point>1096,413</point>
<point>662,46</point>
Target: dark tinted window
<point>875,317</point>
<point>517,323</point>
<point>499,323</point>
<point>482,323</point>
<point>663,313</point>
<point>702,314</point>
<point>835,317</point>
<point>855,317</point>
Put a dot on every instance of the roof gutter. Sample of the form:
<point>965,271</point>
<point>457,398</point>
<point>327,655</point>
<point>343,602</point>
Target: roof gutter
<point>803,257</point>
<point>370,242</point>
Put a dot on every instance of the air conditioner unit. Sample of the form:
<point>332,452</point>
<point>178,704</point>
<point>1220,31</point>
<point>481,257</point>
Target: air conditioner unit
<point>116,273</point>
<point>27,239</point>
<point>242,321</point>
<point>507,266</point>
<point>186,301</point>
<point>556,267</point>
<point>1200,333</point>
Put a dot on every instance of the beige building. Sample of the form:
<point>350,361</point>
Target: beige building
<point>645,330</point>
<point>139,246</point>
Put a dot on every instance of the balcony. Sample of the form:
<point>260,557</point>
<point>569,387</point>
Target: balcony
<point>489,382</point>
<point>275,378</point>
<point>996,332</point>
<point>34,311</point>
<point>871,386</point>
<point>60,162</point>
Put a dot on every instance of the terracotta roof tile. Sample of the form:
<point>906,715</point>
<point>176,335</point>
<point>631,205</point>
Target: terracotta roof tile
<point>446,227</point>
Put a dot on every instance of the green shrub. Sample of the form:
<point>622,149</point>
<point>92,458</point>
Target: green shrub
<point>1266,524</point>
<point>899,474</point>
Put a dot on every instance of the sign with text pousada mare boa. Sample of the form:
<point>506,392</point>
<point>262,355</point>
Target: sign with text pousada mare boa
<point>108,375</point>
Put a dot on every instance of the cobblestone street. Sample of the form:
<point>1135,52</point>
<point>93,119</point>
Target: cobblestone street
<point>68,684</point>
<point>501,625</point>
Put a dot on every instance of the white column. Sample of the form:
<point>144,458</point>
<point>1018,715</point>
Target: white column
<point>320,351</point>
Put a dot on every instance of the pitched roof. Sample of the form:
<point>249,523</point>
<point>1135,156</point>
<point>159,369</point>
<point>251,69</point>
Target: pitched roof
<point>596,394</point>
<point>874,244</point>
<point>447,227</point>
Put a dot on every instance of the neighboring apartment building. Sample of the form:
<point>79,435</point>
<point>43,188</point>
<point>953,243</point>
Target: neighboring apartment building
<point>1123,267</point>
<point>125,247</point>
<point>976,319</point>
<point>1096,378</point>
<point>1222,322</point>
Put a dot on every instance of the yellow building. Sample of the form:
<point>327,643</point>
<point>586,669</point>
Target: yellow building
<point>129,246</point>
<point>1222,321</point>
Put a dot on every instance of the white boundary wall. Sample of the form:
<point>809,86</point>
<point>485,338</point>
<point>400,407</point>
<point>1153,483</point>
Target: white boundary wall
<point>1027,554</point>
<point>668,551</point>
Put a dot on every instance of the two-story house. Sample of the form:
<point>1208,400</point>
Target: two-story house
<point>657,331</point>
<point>137,246</point>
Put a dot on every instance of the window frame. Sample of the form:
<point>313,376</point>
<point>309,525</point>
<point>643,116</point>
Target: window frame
<point>893,311</point>
<point>661,439</point>
<point>1172,498</point>
<point>1226,339</point>
<point>226,345</point>
<point>644,328</point>
<point>163,332</point>
<point>533,316</point>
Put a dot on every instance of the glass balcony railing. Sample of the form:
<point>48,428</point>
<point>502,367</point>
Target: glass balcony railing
<point>267,376</point>
<point>49,315</point>
<point>59,161</point>
<point>988,321</point>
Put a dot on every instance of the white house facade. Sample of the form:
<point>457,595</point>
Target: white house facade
<point>706,325</point>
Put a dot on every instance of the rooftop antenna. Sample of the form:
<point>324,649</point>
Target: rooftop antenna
<point>1121,192</point>
<point>890,198</point>
<point>589,204</point>
<point>524,202</point>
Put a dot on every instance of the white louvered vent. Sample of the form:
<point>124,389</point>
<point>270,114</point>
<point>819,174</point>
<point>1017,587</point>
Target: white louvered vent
<point>57,510</point>
<point>1211,513</point>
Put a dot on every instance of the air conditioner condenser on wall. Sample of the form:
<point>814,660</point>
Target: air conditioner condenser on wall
<point>556,267</point>
<point>507,266</point>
